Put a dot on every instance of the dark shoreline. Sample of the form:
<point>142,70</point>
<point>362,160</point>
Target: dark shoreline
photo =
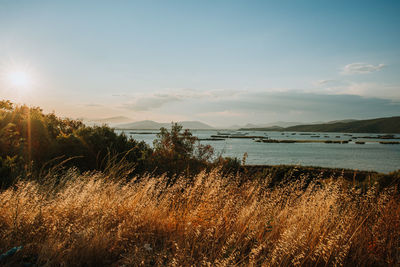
<point>282,173</point>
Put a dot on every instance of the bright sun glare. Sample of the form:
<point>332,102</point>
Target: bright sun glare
<point>19,79</point>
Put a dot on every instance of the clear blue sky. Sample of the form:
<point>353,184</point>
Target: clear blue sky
<point>221,62</point>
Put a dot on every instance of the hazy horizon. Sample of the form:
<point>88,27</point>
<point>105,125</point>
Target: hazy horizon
<point>218,62</point>
<point>121,120</point>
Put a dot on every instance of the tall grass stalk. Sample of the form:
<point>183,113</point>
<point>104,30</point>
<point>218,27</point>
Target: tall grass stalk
<point>94,219</point>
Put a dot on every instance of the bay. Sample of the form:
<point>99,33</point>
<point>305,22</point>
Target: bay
<point>371,156</point>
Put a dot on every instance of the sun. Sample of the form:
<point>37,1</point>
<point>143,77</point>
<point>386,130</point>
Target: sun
<point>19,79</point>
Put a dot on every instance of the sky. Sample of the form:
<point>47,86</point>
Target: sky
<point>222,62</point>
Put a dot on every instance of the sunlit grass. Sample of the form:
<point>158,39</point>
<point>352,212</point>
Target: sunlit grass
<point>94,220</point>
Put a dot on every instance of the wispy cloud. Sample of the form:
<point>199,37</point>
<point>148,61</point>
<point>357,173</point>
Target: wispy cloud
<point>299,106</point>
<point>322,82</point>
<point>365,89</point>
<point>93,105</point>
<point>330,83</point>
<point>361,68</point>
<point>224,113</point>
<point>370,89</point>
<point>146,102</point>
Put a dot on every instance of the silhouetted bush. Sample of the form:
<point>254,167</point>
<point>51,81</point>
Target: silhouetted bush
<point>31,141</point>
<point>178,151</point>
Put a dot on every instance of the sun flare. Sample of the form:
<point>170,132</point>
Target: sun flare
<point>19,79</point>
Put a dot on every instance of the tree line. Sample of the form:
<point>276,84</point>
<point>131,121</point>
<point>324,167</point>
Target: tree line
<point>32,142</point>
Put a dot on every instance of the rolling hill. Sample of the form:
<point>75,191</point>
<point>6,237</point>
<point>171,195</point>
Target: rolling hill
<point>379,125</point>
<point>152,125</point>
<point>111,121</point>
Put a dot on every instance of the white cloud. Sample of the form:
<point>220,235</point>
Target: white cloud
<point>361,68</point>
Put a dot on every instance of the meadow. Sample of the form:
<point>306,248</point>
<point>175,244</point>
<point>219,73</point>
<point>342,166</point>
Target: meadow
<point>96,219</point>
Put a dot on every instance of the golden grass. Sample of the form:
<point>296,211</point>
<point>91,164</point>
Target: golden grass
<point>93,220</point>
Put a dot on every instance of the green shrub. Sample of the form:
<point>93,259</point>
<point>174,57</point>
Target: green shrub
<point>31,140</point>
<point>178,151</point>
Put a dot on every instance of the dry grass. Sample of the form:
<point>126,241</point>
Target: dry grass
<point>93,220</point>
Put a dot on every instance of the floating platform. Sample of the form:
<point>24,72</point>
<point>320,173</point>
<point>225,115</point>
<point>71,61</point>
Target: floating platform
<point>302,141</point>
<point>210,139</point>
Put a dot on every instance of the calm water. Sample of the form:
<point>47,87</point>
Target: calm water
<point>370,156</point>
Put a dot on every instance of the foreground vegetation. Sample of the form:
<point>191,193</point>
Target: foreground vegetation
<point>95,219</point>
<point>73,195</point>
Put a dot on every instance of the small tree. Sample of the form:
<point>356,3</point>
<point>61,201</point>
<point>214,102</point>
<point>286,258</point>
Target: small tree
<point>176,151</point>
<point>175,144</point>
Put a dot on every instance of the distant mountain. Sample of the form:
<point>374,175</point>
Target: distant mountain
<point>232,127</point>
<point>379,125</point>
<point>152,125</point>
<point>146,124</point>
<point>283,124</point>
<point>251,125</point>
<point>117,119</point>
<point>330,122</point>
<point>279,124</point>
<point>194,125</point>
<point>111,121</point>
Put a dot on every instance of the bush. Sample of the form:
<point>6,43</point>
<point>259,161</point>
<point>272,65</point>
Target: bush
<point>31,140</point>
<point>178,151</point>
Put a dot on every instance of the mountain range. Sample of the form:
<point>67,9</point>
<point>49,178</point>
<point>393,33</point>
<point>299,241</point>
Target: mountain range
<point>266,125</point>
<point>111,121</point>
<point>152,125</point>
<point>379,125</point>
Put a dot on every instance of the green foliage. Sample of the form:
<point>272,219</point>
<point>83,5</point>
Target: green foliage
<point>30,140</point>
<point>8,167</point>
<point>32,143</point>
<point>175,144</point>
<point>178,151</point>
<point>98,144</point>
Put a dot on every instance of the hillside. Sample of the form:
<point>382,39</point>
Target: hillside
<point>379,125</point>
<point>112,121</point>
<point>277,124</point>
<point>152,125</point>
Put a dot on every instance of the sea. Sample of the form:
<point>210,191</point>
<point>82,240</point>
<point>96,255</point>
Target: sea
<point>369,154</point>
